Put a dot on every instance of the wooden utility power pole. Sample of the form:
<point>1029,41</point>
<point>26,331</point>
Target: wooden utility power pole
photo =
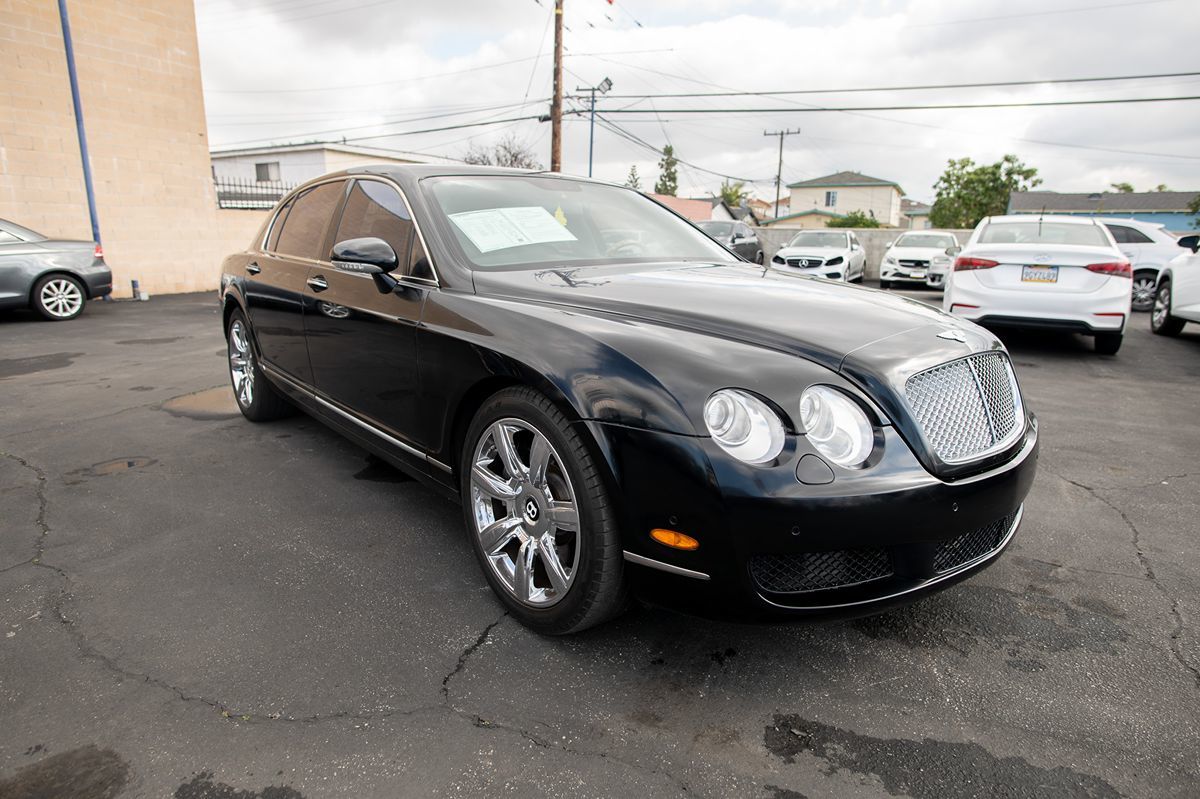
<point>779,172</point>
<point>556,101</point>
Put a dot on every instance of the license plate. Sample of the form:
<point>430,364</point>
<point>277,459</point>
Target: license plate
<point>1039,274</point>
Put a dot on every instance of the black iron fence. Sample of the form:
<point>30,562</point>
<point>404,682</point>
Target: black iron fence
<point>249,194</point>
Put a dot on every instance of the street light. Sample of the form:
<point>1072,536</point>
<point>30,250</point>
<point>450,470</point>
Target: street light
<point>604,87</point>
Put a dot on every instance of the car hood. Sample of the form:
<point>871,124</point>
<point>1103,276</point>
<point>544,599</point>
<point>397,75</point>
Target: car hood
<point>819,252</point>
<point>791,313</point>
<point>916,253</point>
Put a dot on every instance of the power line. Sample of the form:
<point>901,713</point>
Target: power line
<point>617,129</point>
<point>924,87</point>
<point>935,107</point>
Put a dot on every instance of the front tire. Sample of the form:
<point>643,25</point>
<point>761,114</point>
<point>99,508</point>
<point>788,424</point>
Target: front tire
<point>758,259</point>
<point>1143,291</point>
<point>1161,321</point>
<point>1108,343</point>
<point>538,515</point>
<point>256,398</point>
<point>59,297</point>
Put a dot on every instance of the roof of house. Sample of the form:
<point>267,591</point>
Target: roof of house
<point>695,210</point>
<point>1053,202</point>
<point>914,208</point>
<point>809,212</point>
<point>843,179</point>
<point>350,149</point>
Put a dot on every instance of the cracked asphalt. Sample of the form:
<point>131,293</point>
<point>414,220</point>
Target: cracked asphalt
<point>197,607</point>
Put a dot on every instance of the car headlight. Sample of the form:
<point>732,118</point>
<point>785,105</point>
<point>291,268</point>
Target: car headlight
<point>941,260</point>
<point>836,426</point>
<point>744,426</point>
<point>777,260</point>
<point>834,261</point>
<point>889,260</point>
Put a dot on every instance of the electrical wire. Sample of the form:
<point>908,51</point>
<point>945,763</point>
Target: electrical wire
<point>929,107</point>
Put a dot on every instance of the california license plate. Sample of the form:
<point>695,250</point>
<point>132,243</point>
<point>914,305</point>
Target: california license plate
<point>1039,274</point>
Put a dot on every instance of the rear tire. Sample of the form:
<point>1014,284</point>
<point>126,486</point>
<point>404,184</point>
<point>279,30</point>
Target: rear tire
<point>1108,343</point>
<point>1161,321</point>
<point>758,259</point>
<point>256,398</point>
<point>59,297</point>
<point>542,527</point>
<point>1143,290</point>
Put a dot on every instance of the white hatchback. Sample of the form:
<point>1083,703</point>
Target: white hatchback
<point>1057,272</point>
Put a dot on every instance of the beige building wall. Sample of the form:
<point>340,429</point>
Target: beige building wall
<point>884,201</point>
<point>139,75</point>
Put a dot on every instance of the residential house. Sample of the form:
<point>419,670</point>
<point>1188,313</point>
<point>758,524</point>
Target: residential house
<point>914,215</point>
<point>291,164</point>
<point>1169,208</point>
<point>843,192</point>
<point>696,210</point>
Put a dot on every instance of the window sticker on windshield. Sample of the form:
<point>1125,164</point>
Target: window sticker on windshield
<point>501,228</point>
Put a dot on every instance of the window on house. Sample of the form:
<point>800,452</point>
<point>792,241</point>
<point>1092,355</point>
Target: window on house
<point>831,199</point>
<point>266,171</point>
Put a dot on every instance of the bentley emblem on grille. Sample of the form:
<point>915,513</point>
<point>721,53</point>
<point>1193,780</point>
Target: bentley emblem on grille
<point>953,335</point>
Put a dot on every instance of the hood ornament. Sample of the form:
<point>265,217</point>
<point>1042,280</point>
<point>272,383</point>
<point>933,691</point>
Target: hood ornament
<point>953,335</point>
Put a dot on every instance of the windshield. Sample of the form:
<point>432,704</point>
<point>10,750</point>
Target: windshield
<point>939,241</point>
<point>1035,232</point>
<point>818,238</point>
<point>519,221</point>
<point>716,229</point>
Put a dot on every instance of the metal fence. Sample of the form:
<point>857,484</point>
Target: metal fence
<point>249,194</point>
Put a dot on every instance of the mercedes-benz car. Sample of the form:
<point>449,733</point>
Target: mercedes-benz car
<point>918,257</point>
<point>623,407</point>
<point>831,254</point>
<point>55,277</point>
<point>1051,273</point>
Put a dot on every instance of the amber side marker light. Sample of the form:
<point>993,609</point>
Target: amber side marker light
<point>673,539</point>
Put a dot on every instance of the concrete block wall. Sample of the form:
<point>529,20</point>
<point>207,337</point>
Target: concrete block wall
<point>874,240</point>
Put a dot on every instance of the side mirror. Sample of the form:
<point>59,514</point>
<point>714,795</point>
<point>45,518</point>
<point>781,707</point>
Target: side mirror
<point>953,250</point>
<point>1191,242</point>
<point>367,256</point>
<point>888,245</point>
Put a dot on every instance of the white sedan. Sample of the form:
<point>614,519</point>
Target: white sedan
<point>918,257</point>
<point>1177,300</point>
<point>1056,272</point>
<point>831,254</point>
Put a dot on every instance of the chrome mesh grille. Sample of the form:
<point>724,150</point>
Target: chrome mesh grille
<point>965,407</point>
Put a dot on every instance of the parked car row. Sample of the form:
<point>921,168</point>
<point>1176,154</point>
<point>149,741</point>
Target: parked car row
<point>55,277</point>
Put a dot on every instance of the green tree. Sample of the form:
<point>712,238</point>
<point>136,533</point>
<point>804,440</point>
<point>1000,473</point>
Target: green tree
<point>1123,188</point>
<point>668,178</point>
<point>633,181</point>
<point>854,219</point>
<point>1161,187</point>
<point>733,194</point>
<point>1194,207</point>
<point>967,192</point>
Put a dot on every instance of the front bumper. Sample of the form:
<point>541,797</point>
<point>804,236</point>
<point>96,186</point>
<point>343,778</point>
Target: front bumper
<point>771,546</point>
<point>901,274</point>
<point>835,272</point>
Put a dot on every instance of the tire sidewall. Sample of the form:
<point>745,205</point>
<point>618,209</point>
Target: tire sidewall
<point>251,411</point>
<point>566,614</point>
<point>36,298</point>
<point>1163,293</point>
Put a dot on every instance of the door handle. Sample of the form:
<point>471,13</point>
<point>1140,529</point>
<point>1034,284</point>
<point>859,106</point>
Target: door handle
<point>253,268</point>
<point>317,283</point>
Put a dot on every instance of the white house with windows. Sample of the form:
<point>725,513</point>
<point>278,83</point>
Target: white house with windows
<point>836,195</point>
<point>291,164</point>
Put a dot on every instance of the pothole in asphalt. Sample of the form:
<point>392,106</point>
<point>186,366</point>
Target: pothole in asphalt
<point>213,403</point>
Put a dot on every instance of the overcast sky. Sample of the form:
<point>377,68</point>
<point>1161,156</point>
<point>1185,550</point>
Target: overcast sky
<point>302,70</point>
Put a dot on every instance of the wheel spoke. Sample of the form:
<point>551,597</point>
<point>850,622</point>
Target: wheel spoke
<point>563,515</point>
<point>523,575</point>
<point>498,534</point>
<point>502,435</point>
<point>491,484</point>
<point>554,568</point>
<point>539,460</point>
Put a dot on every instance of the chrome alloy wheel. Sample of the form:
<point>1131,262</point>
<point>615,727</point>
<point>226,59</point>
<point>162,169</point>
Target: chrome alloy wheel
<point>1143,293</point>
<point>61,298</point>
<point>241,364</point>
<point>1162,307</point>
<point>525,512</point>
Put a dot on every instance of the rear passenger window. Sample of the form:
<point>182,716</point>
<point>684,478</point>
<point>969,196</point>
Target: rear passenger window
<point>375,209</point>
<point>277,226</point>
<point>1127,235</point>
<point>306,223</point>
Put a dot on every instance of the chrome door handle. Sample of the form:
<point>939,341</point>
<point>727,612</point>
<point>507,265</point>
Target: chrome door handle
<point>318,283</point>
<point>253,268</point>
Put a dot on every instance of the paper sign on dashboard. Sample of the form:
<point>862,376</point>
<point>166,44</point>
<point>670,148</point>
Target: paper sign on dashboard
<point>500,228</point>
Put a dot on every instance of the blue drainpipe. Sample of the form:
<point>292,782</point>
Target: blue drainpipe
<point>69,49</point>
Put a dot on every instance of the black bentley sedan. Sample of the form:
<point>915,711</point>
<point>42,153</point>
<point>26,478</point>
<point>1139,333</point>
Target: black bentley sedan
<point>622,406</point>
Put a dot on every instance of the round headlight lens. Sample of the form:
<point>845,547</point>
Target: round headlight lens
<point>744,426</point>
<point>836,426</point>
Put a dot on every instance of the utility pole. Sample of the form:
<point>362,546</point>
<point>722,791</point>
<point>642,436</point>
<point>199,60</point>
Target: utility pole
<point>556,101</point>
<point>604,88</point>
<point>779,171</point>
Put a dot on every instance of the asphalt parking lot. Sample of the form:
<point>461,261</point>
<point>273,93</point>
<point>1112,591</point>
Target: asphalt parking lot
<point>195,606</point>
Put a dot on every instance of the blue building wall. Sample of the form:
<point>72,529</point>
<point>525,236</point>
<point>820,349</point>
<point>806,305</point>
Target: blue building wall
<point>1175,221</point>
